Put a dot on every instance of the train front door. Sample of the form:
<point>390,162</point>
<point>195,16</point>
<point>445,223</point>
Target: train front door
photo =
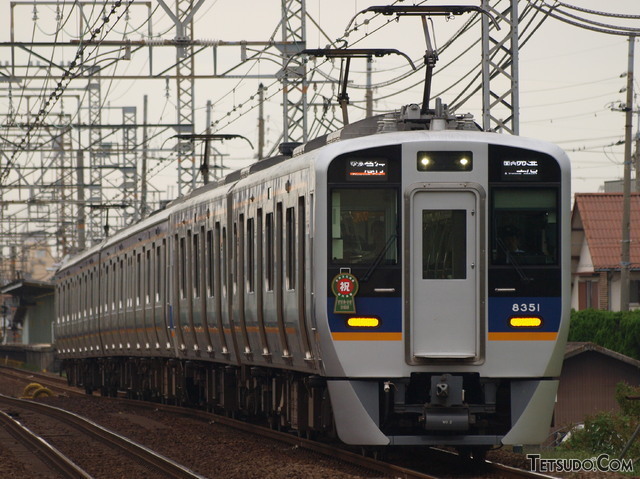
<point>444,272</point>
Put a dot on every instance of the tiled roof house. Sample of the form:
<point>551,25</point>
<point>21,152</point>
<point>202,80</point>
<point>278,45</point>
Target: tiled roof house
<point>596,233</point>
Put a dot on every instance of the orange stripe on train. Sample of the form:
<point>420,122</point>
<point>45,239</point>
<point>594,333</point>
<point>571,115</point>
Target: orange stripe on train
<point>522,336</point>
<point>368,336</point>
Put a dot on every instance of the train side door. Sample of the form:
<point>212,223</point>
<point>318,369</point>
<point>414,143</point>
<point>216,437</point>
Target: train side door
<point>444,309</point>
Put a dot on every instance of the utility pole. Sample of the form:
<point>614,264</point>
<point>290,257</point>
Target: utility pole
<point>636,155</point>
<point>369,92</point>
<point>81,224</point>
<point>625,255</point>
<point>207,147</point>
<point>260,122</point>
<point>145,156</point>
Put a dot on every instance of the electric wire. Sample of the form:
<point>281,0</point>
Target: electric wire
<point>342,39</point>
<point>326,111</point>
<point>59,90</point>
<point>596,12</point>
<point>556,12</point>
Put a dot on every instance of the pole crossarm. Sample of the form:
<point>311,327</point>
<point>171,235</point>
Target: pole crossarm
<point>424,11</point>
<point>213,136</point>
<point>207,138</point>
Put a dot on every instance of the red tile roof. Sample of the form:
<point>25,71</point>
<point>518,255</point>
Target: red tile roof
<point>601,215</point>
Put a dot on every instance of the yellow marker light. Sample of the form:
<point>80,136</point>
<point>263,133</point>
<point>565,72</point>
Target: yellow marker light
<point>464,161</point>
<point>525,322</point>
<point>363,322</point>
<point>425,160</point>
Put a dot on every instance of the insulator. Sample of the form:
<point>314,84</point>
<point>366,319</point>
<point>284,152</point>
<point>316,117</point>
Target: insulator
<point>207,42</point>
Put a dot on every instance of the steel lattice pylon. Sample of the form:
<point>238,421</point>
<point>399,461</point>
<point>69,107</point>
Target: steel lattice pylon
<point>500,91</point>
<point>185,86</point>
<point>185,153</point>
<point>293,74</point>
<point>129,168</point>
<point>95,230</point>
<point>64,194</point>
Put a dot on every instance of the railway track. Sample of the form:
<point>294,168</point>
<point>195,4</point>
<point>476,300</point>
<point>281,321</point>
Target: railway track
<point>144,457</point>
<point>484,469</point>
<point>45,451</point>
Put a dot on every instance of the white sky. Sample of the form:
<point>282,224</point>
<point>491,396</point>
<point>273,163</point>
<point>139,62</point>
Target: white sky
<point>569,77</point>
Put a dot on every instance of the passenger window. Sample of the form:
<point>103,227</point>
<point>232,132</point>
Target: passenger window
<point>148,285</point>
<point>235,254</point>
<point>139,284</point>
<point>250,255</point>
<point>195,258</point>
<point>183,269</point>
<point>268,254</point>
<point>210,253</point>
<point>524,229</point>
<point>223,255</point>
<point>364,226</point>
<point>444,244</point>
<point>158,268</point>
<point>106,289</point>
<point>114,285</point>
<point>291,250</point>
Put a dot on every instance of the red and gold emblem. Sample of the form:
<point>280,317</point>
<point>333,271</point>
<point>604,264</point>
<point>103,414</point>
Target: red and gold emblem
<point>344,287</point>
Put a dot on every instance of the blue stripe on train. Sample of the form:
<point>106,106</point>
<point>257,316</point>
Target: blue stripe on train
<point>501,309</point>
<point>389,310</point>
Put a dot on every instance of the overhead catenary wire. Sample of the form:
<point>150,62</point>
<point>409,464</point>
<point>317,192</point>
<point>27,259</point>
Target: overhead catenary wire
<point>340,40</point>
<point>556,11</point>
<point>320,115</point>
<point>59,90</point>
<point>599,13</point>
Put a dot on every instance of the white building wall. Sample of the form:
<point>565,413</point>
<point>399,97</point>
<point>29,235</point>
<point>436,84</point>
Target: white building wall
<point>585,263</point>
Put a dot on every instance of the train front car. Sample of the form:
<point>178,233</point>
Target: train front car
<point>444,286</point>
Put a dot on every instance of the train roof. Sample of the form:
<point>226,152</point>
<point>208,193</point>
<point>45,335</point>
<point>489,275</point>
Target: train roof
<point>408,119</point>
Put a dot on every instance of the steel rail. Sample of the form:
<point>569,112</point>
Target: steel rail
<point>288,438</point>
<point>395,471</point>
<point>45,451</point>
<point>140,453</point>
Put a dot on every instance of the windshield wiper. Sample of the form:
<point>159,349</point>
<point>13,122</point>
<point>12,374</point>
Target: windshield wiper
<point>379,257</point>
<point>511,259</point>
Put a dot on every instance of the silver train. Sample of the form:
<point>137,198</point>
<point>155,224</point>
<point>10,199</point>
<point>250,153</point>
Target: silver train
<point>403,281</point>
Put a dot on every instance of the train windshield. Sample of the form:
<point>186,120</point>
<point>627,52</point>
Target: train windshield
<point>524,226</point>
<point>364,225</point>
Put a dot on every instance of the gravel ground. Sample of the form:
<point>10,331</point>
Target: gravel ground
<point>214,450</point>
<point>504,456</point>
<point>210,449</point>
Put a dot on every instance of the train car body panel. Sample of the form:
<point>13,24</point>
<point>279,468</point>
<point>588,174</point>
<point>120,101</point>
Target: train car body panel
<point>450,325</point>
<point>438,324</point>
<point>532,411</point>
<point>408,287</point>
<point>271,300</point>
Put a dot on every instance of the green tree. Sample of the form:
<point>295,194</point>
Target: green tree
<point>615,330</point>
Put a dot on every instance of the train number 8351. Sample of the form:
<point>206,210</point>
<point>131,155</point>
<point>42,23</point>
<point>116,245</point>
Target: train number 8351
<point>526,307</point>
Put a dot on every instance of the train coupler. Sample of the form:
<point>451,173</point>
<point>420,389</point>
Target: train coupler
<point>446,410</point>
